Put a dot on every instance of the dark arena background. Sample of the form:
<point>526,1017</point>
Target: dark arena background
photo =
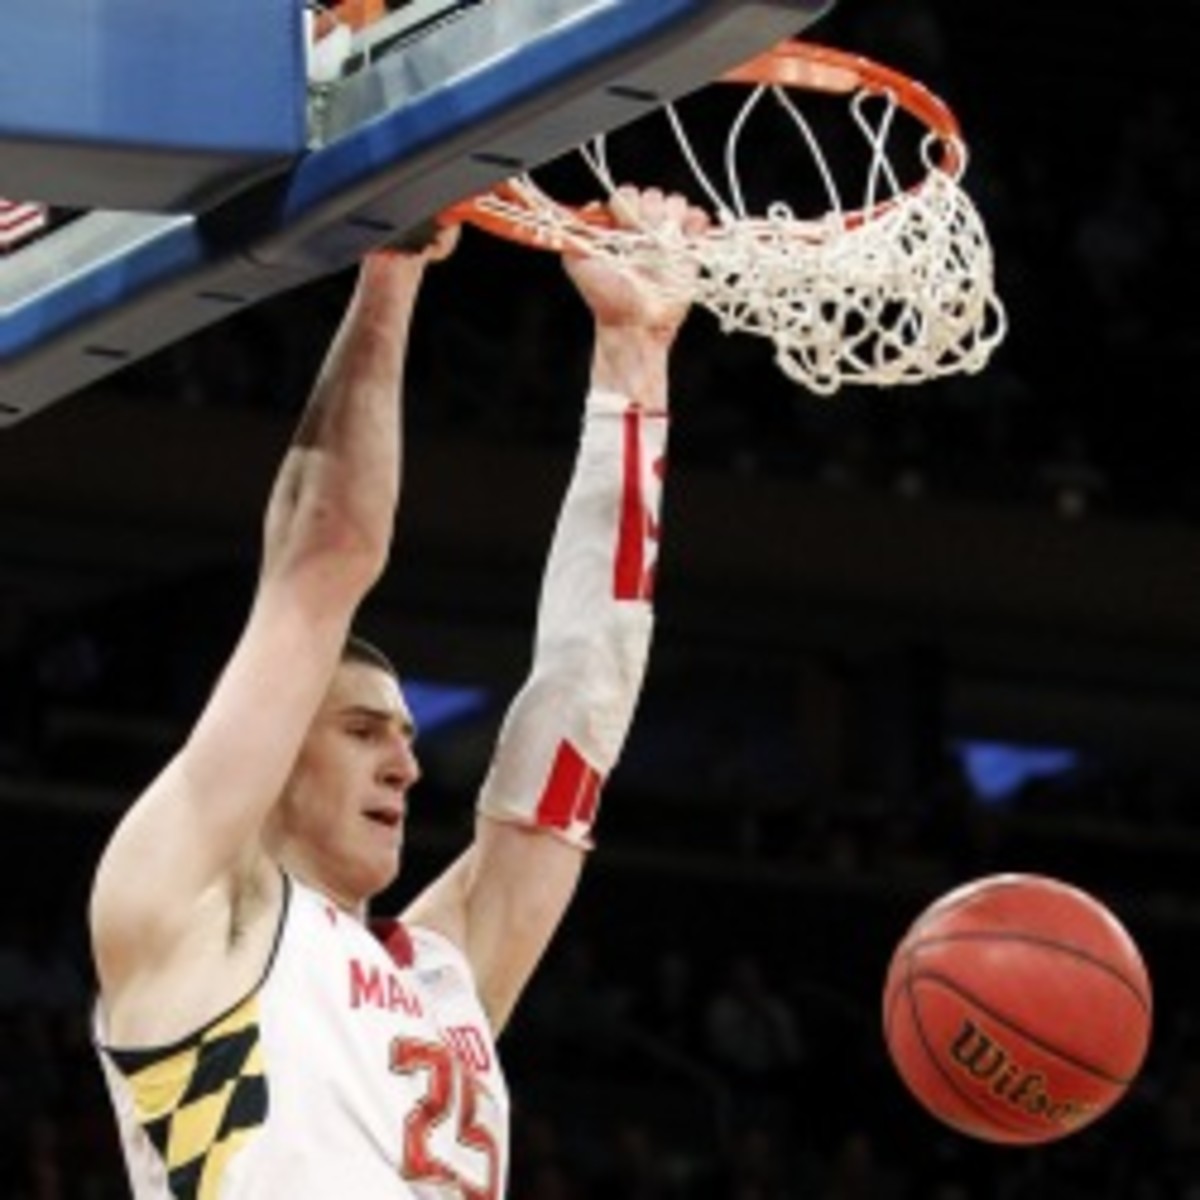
<point>906,638</point>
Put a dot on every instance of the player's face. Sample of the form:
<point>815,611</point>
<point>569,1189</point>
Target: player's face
<point>344,807</point>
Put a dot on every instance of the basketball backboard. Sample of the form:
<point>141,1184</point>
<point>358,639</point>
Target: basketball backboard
<point>434,102</point>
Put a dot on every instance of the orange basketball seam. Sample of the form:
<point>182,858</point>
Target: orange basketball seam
<point>996,935</point>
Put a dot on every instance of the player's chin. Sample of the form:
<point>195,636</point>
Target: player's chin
<point>381,868</point>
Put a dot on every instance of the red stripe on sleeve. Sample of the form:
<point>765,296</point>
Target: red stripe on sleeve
<point>630,567</point>
<point>571,780</point>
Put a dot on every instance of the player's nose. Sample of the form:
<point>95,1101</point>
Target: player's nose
<point>400,768</point>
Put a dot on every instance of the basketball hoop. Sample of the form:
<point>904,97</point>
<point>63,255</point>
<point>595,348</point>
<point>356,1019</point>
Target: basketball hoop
<point>896,288</point>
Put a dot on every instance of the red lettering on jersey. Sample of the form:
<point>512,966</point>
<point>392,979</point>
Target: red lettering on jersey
<point>469,1047</point>
<point>366,985</point>
<point>399,997</point>
<point>374,988</point>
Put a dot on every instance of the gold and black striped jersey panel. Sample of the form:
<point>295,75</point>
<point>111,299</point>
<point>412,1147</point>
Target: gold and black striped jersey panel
<point>201,1100</point>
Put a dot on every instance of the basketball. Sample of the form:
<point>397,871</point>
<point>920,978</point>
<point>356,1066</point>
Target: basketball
<point>1017,1009</point>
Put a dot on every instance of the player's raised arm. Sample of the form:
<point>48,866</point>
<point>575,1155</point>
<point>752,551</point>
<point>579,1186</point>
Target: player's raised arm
<point>566,728</point>
<point>187,857</point>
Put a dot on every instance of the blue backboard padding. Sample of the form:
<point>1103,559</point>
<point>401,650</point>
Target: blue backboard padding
<point>389,142</point>
<point>174,250</point>
<point>204,89</point>
<point>221,75</point>
<point>373,183</point>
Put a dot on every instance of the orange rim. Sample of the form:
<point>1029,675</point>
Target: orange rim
<point>793,64</point>
<point>822,69</point>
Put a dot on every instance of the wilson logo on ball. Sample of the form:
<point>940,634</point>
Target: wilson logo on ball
<point>985,1060</point>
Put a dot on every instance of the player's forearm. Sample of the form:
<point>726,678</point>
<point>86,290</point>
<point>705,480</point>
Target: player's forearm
<point>567,727</point>
<point>631,360</point>
<point>339,485</point>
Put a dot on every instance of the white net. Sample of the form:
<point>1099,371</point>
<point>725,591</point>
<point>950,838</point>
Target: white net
<point>897,290</point>
<point>902,298</point>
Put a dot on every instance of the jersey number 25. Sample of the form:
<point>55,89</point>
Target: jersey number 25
<point>449,1086</point>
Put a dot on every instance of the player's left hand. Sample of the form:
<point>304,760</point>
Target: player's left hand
<point>443,244</point>
<point>431,241</point>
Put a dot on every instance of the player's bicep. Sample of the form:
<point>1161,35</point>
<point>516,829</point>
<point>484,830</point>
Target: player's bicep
<point>151,878</point>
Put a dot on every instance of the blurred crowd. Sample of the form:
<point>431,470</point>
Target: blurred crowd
<point>708,1027</point>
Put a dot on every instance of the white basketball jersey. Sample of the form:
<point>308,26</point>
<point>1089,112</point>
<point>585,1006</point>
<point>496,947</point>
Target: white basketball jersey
<point>362,1066</point>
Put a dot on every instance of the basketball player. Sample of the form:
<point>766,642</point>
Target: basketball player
<point>261,1037</point>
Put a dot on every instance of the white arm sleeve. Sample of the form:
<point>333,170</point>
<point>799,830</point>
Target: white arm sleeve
<point>566,727</point>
